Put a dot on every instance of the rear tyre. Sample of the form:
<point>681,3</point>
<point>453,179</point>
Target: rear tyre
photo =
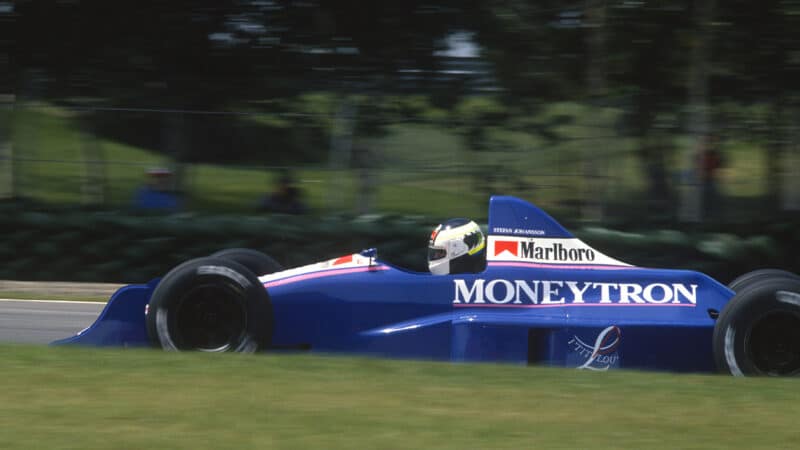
<point>749,278</point>
<point>758,331</point>
<point>255,261</point>
<point>210,304</point>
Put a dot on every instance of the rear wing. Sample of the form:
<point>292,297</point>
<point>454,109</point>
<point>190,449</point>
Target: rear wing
<point>521,233</point>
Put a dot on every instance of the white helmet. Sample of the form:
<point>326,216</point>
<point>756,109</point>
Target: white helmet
<point>456,246</point>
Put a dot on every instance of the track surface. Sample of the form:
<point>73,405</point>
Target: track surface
<point>41,322</point>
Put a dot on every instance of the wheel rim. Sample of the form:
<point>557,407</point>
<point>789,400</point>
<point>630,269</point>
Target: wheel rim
<point>773,343</point>
<point>209,318</point>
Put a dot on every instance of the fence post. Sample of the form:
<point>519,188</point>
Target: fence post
<point>791,166</point>
<point>94,179</point>
<point>7,179</point>
<point>341,150</point>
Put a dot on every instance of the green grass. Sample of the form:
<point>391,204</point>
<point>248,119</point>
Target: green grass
<point>422,168</point>
<point>52,168</point>
<point>53,154</point>
<point>88,398</point>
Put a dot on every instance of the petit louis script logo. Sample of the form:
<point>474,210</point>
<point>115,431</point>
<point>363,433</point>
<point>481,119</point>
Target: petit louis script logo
<point>599,355</point>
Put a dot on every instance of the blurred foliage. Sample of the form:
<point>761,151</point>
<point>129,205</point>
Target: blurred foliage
<point>292,83</point>
<point>101,246</point>
<point>94,246</point>
<point>592,109</point>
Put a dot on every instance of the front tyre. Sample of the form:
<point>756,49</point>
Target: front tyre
<point>210,304</point>
<point>758,331</point>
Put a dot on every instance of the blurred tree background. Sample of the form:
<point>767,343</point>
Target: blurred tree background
<point>630,114</point>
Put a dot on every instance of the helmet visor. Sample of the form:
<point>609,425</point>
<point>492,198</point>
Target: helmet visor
<point>436,253</point>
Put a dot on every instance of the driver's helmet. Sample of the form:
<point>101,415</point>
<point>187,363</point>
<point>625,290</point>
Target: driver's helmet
<point>456,246</point>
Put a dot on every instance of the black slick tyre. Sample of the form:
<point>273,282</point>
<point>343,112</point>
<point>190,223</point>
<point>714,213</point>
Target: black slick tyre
<point>749,278</point>
<point>210,304</point>
<point>257,262</point>
<point>758,331</point>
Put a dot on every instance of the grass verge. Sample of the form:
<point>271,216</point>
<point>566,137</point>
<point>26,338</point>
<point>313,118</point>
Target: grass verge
<point>17,295</point>
<point>90,398</point>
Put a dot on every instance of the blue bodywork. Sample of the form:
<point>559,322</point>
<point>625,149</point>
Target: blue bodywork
<point>544,298</point>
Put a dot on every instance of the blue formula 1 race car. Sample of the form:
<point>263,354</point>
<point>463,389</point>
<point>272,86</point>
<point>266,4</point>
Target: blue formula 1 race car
<point>540,296</point>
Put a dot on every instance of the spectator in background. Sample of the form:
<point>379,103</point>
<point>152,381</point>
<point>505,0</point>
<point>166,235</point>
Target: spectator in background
<point>286,198</point>
<point>158,193</point>
<point>709,161</point>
